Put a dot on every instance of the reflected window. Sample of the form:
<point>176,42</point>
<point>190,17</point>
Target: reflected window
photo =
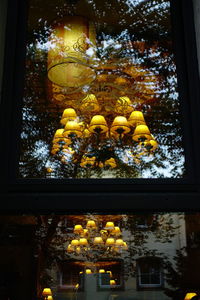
<point>71,276</point>
<point>149,272</point>
<point>110,275</point>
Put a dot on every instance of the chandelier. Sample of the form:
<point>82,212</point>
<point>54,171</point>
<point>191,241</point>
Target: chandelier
<point>98,129</point>
<point>93,239</point>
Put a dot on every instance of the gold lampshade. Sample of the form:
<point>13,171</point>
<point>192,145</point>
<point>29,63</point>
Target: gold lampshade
<point>136,118</point>
<point>49,170</point>
<point>88,271</point>
<point>67,65</point>
<point>87,161</point>
<point>70,248</point>
<point>98,240</point>
<point>85,232</point>
<point>112,282</point>
<point>98,124</point>
<point>46,292</point>
<point>78,250</point>
<point>49,297</point>
<point>110,242</point>
<point>141,133</point>
<point>188,296</point>
<point>83,242</point>
<point>72,127</point>
<point>58,135</point>
<point>109,225</point>
<point>90,104</point>
<point>123,106</point>
<point>125,247</point>
<point>120,125</point>
<point>69,114</point>
<point>75,243</point>
<point>109,273</point>
<point>91,224</point>
<point>78,229</point>
<point>110,163</point>
<point>116,231</point>
<point>119,242</point>
<point>101,271</point>
<point>86,133</point>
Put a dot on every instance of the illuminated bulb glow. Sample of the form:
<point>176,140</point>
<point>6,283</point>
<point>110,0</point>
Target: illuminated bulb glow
<point>98,240</point>
<point>88,271</point>
<point>91,224</point>
<point>188,296</point>
<point>46,292</point>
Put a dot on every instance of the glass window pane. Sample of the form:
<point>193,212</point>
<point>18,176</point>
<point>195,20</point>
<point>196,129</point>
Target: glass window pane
<point>100,95</point>
<point>41,255</point>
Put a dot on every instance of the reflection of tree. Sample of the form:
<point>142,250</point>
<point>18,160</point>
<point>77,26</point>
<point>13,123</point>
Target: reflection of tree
<point>141,41</point>
<point>53,236</point>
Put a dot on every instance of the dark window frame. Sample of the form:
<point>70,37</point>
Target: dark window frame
<point>124,194</point>
<point>145,287</point>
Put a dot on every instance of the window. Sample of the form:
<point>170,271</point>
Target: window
<point>70,275</point>
<point>110,274</point>
<point>149,273</point>
<point>100,95</point>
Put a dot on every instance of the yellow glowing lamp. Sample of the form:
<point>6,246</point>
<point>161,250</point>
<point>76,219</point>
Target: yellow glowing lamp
<point>78,228</point>
<point>49,297</point>
<point>88,271</point>
<point>69,114</point>
<point>87,161</point>
<point>98,240</point>
<point>136,118</point>
<point>77,286</point>
<point>123,106</point>
<point>70,248</point>
<point>110,242</point>
<point>120,125</point>
<point>111,162</point>
<point>101,271</point>
<point>125,247</point>
<point>109,225</point>
<point>75,242</point>
<point>72,128</point>
<point>91,224</point>
<point>188,296</point>
<point>85,232</point>
<point>90,104</point>
<point>58,136</point>
<point>116,231</point>
<point>78,250</point>
<point>112,282</point>
<point>71,52</point>
<point>46,292</point>
<point>110,273</point>
<point>83,242</point>
<point>81,272</point>
<point>86,133</point>
<point>141,133</point>
<point>98,124</point>
<point>49,170</point>
<point>119,242</point>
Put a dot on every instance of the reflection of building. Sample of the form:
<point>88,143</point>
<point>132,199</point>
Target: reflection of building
<point>136,273</point>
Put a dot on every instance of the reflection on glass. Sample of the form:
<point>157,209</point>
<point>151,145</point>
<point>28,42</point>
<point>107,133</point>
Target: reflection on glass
<point>100,97</point>
<point>140,256</point>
